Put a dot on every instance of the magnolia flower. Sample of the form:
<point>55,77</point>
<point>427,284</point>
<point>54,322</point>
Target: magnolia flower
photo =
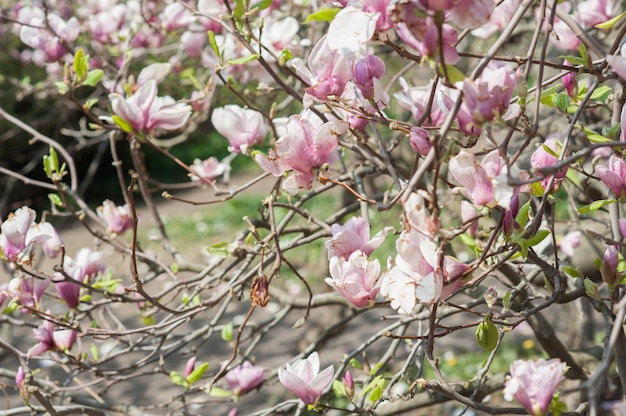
<point>27,291</point>
<point>499,19</point>
<point>19,234</point>
<point>483,184</point>
<point>542,159</point>
<point>244,378</point>
<point>49,339</point>
<point>416,99</point>
<point>488,96</point>
<point>242,127</point>
<point>533,383</point>
<point>367,72</point>
<point>569,242</point>
<point>614,176</point>
<point>608,266</point>
<point>353,236</point>
<point>355,278</point>
<point>562,36</point>
<point>593,12</point>
<point>423,35</point>
<point>118,219</point>
<point>327,74</point>
<point>190,366</point>
<point>33,34</point>
<point>206,170</point>
<point>618,63</point>
<point>145,112</point>
<point>419,139</point>
<point>304,379</point>
<point>19,377</point>
<point>88,264</point>
<point>351,29</point>
<point>302,149</point>
<point>469,14</point>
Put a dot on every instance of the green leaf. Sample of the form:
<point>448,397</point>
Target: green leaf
<point>123,124</point>
<point>582,50</point>
<point>244,59</point>
<point>546,96</point>
<point>285,56</point>
<point>506,300</point>
<point>262,5</point>
<point>62,87</point>
<point>227,332</point>
<point>602,93</point>
<point>197,373</point>
<point>593,136</point>
<point>93,77</point>
<point>454,75</point>
<point>108,285</point>
<point>339,389</point>
<point>595,205</point>
<point>219,392</point>
<point>561,101</point>
<point>574,60</point>
<point>56,200</point>
<point>591,288</point>
<point>81,65</point>
<point>572,271</point>
<point>322,15</point>
<point>610,23</point>
<point>178,379</point>
<point>94,352</point>
<point>216,49</point>
<point>522,215</point>
<point>487,334</point>
<point>356,364</point>
<point>90,103</point>
<point>221,250</point>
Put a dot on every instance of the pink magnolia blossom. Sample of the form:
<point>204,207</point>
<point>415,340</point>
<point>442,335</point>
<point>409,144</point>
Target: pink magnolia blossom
<point>416,100</point>
<point>351,29</point>
<point>175,16</point>
<point>384,9</point>
<point>622,226</point>
<point>353,236</point>
<point>542,159</point>
<point>562,36</point>
<point>367,71</point>
<point>19,234</point>
<point>19,377</point>
<point>118,218</point>
<point>206,170</point>
<point>244,378</point>
<point>327,74</point>
<point>348,384</point>
<point>470,14</point>
<point>419,139</point>
<point>533,383</point>
<point>417,275</point>
<point>499,19</point>
<point>26,291</point>
<point>145,112</point>
<point>242,127</point>
<point>87,265</point>
<point>423,35</point>
<point>608,266</point>
<point>304,379</point>
<point>569,82</point>
<point>618,63</point>
<point>593,12</point>
<point>50,340</point>
<point>569,242</point>
<point>300,150</point>
<point>355,278</point>
<point>484,183</point>
<point>35,34</point>
<point>190,366</point>
<point>488,97</point>
<point>614,176</point>
<point>469,215</point>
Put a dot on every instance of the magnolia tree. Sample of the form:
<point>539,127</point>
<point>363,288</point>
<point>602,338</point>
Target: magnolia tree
<point>473,154</point>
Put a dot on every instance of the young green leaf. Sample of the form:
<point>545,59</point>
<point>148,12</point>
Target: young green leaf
<point>487,334</point>
<point>178,379</point>
<point>322,15</point>
<point>93,77</point>
<point>197,373</point>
